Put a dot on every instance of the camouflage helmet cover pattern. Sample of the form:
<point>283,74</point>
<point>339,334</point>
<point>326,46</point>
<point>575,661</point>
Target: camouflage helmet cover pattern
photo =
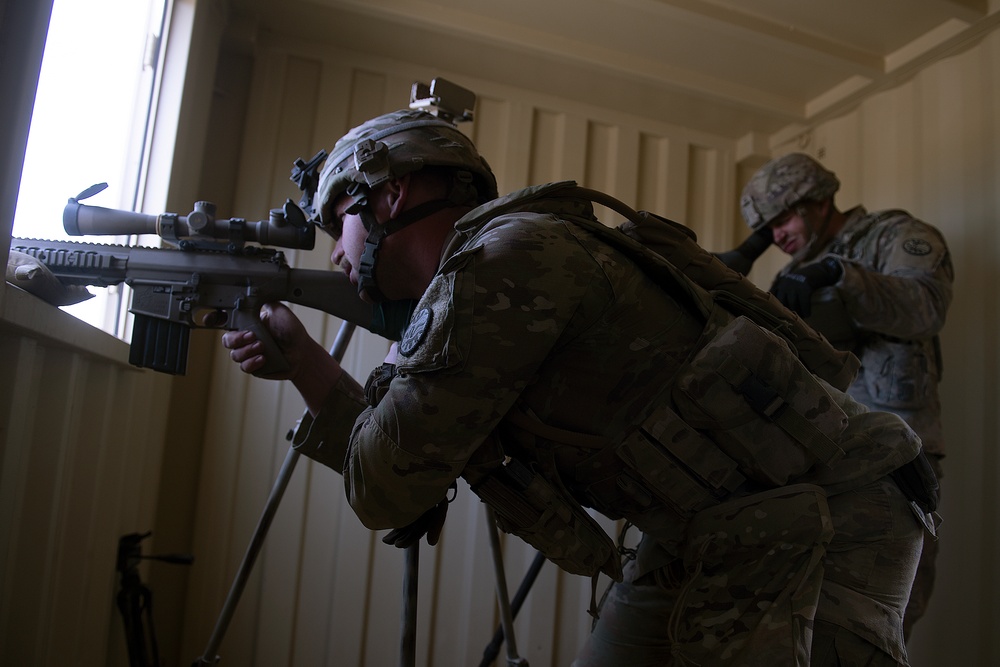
<point>413,139</point>
<point>781,184</point>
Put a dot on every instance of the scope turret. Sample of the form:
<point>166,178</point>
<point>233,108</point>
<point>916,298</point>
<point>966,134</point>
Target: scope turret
<point>286,227</point>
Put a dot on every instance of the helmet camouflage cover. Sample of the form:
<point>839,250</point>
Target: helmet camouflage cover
<point>396,144</point>
<point>781,184</point>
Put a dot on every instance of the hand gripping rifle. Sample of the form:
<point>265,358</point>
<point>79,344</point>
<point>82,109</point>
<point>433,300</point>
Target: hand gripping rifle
<point>210,279</point>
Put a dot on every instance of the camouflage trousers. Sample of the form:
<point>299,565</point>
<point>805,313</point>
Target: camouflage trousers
<point>752,586</point>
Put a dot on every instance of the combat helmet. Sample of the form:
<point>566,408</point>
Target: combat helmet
<point>781,184</point>
<point>396,144</point>
<point>391,146</point>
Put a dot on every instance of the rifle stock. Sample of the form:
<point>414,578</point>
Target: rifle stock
<point>176,290</point>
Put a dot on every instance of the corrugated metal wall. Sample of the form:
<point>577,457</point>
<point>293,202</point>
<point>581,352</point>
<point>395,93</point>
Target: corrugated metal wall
<point>81,433</point>
<point>932,146</point>
<point>326,591</point>
<point>81,441</point>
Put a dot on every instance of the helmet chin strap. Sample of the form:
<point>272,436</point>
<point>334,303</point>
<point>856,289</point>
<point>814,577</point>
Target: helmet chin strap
<point>457,195</point>
<point>378,233</point>
<point>366,271</point>
<point>816,238</point>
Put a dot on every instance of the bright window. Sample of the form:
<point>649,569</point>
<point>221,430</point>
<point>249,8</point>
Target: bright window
<point>89,121</point>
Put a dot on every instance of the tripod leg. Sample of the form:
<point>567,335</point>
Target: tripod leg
<point>209,657</point>
<point>493,648</point>
<point>506,618</point>
<point>408,638</point>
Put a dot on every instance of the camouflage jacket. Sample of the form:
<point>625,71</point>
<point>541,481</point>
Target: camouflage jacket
<point>893,298</point>
<point>531,312</point>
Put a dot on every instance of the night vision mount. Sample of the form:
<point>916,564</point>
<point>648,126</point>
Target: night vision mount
<point>444,99</point>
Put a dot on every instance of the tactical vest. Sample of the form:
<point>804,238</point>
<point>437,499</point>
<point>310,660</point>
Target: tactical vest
<point>841,246</point>
<point>748,410</point>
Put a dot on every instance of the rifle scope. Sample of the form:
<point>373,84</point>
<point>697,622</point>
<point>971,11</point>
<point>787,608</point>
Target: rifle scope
<point>286,227</point>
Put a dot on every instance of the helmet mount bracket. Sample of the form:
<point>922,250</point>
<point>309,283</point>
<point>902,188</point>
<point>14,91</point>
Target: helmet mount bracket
<point>397,144</point>
<point>371,159</point>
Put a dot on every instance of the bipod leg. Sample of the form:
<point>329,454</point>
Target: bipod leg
<point>408,636</point>
<point>209,657</point>
<point>493,648</point>
<point>506,618</point>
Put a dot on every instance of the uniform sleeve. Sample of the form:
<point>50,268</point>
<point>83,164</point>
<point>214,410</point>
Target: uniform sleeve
<point>324,438</point>
<point>907,293</point>
<point>477,338</point>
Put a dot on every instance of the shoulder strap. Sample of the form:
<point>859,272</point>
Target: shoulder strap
<point>527,421</point>
<point>667,249</point>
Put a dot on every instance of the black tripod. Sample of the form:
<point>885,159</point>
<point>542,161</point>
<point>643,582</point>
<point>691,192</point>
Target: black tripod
<point>135,600</point>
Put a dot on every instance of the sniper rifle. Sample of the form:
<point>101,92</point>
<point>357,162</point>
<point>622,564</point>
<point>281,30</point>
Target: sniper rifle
<point>211,279</point>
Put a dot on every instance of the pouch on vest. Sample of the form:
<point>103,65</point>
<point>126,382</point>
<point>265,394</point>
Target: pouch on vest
<point>527,506</point>
<point>678,465</point>
<point>898,374</point>
<point>749,392</point>
<point>918,482</point>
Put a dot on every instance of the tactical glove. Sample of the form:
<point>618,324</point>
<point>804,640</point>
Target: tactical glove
<point>429,523</point>
<point>795,289</point>
<point>741,259</point>
<point>918,482</point>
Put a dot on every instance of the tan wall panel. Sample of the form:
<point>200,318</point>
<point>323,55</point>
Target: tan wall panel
<point>931,146</point>
<point>80,448</point>
<point>77,473</point>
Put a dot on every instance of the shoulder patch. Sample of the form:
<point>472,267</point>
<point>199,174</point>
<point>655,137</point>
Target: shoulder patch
<point>917,247</point>
<point>416,332</point>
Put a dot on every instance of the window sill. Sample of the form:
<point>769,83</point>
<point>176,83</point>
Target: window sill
<point>28,314</point>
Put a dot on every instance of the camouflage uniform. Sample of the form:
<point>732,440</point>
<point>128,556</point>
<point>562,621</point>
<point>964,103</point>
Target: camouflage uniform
<point>536,326</point>
<point>895,293</point>
<point>887,308</point>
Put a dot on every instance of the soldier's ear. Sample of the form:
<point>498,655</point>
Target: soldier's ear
<point>395,194</point>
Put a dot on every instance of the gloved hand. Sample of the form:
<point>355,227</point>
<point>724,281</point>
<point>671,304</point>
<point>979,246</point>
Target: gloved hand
<point>795,289</point>
<point>429,523</point>
<point>32,276</point>
<point>918,482</point>
<point>741,259</point>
